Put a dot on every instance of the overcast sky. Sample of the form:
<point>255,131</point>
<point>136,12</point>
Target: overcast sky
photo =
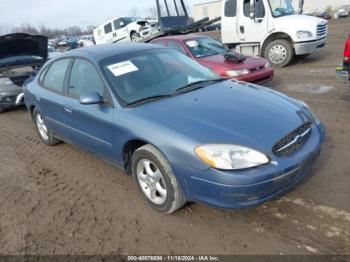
<point>65,13</point>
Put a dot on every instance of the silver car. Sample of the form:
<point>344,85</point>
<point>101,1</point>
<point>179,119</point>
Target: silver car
<point>21,55</point>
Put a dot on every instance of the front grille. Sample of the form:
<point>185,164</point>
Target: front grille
<point>293,141</point>
<point>321,30</point>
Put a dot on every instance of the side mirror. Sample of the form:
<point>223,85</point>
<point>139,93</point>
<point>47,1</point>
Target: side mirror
<point>122,24</point>
<point>93,98</point>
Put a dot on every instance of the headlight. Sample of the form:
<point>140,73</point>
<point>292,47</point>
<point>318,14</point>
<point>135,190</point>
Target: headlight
<point>230,157</point>
<point>304,34</point>
<point>237,72</point>
<point>5,81</point>
<point>267,65</point>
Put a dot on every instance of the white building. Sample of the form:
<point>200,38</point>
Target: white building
<point>212,9</point>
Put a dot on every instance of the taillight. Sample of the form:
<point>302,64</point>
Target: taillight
<point>347,50</point>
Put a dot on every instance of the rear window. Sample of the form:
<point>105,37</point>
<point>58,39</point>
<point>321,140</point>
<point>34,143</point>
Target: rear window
<point>108,28</point>
<point>54,78</point>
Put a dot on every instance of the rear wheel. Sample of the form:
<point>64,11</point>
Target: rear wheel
<point>45,133</point>
<point>1,109</point>
<point>156,180</point>
<point>279,53</point>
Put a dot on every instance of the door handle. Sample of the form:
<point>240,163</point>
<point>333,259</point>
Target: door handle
<point>38,98</point>
<point>241,28</point>
<point>68,109</point>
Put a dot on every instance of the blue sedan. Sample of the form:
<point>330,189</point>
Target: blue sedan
<point>182,132</point>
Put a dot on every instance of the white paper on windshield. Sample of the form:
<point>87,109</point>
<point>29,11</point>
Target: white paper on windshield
<point>192,43</point>
<point>122,68</point>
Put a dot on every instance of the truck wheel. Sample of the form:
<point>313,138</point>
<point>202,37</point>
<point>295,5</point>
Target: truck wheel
<point>134,36</point>
<point>156,180</point>
<point>45,133</point>
<point>279,53</point>
<point>1,109</point>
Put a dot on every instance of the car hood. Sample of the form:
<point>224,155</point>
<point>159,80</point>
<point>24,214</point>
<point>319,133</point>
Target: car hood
<point>22,45</point>
<point>228,112</point>
<point>298,22</point>
<point>221,61</point>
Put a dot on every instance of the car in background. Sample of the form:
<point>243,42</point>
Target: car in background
<point>123,29</point>
<point>324,15</point>
<point>211,27</point>
<point>214,55</point>
<point>183,133</point>
<point>343,72</point>
<point>52,51</point>
<point>21,55</point>
<point>342,12</point>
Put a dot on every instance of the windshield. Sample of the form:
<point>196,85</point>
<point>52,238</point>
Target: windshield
<point>205,46</point>
<point>149,73</point>
<point>281,7</point>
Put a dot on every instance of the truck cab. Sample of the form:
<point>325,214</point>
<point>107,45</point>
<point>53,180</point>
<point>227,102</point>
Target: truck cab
<point>272,29</point>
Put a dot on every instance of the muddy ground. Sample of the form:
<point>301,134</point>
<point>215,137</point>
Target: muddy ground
<point>60,200</point>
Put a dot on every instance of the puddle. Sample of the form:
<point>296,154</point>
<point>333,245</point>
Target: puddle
<point>310,88</point>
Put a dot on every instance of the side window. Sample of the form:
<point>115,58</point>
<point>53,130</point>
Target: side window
<point>176,46</point>
<point>84,79</point>
<point>41,77</point>
<point>230,8</point>
<point>108,28</point>
<point>259,8</point>
<point>54,78</point>
<point>116,24</point>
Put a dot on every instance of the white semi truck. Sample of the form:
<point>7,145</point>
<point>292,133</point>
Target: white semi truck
<point>271,29</point>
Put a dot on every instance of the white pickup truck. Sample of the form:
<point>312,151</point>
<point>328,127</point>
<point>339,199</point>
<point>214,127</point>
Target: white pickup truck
<point>271,29</point>
<point>124,29</point>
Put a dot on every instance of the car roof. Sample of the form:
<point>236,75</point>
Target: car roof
<point>99,52</point>
<point>181,37</point>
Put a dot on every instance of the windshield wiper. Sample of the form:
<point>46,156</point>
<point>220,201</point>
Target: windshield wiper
<point>197,85</point>
<point>147,99</point>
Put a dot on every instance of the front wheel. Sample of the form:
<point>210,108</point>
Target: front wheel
<point>279,53</point>
<point>134,36</point>
<point>156,180</point>
<point>1,109</point>
<point>44,132</point>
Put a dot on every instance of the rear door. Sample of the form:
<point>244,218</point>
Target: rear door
<point>91,125</point>
<point>108,32</point>
<point>52,96</point>
<point>229,22</point>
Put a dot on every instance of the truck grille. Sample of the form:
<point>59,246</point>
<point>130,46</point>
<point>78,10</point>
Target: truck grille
<point>293,141</point>
<point>321,30</point>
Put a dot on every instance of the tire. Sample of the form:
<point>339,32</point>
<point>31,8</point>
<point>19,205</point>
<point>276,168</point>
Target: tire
<point>2,110</point>
<point>44,132</point>
<point>279,53</point>
<point>160,179</point>
<point>134,36</point>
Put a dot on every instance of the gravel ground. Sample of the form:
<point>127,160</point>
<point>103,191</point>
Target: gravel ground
<point>61,200</point>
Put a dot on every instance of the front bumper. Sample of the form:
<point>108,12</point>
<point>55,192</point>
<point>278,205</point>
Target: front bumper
<point>8,101</point>
<point>303,48</point>
<point>242,189</point>
<point>257,77</point>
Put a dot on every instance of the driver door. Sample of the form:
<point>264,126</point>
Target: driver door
<point>252,30</point>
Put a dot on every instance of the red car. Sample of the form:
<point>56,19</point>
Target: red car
<point>343,72</point>
<point>212,54</point>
